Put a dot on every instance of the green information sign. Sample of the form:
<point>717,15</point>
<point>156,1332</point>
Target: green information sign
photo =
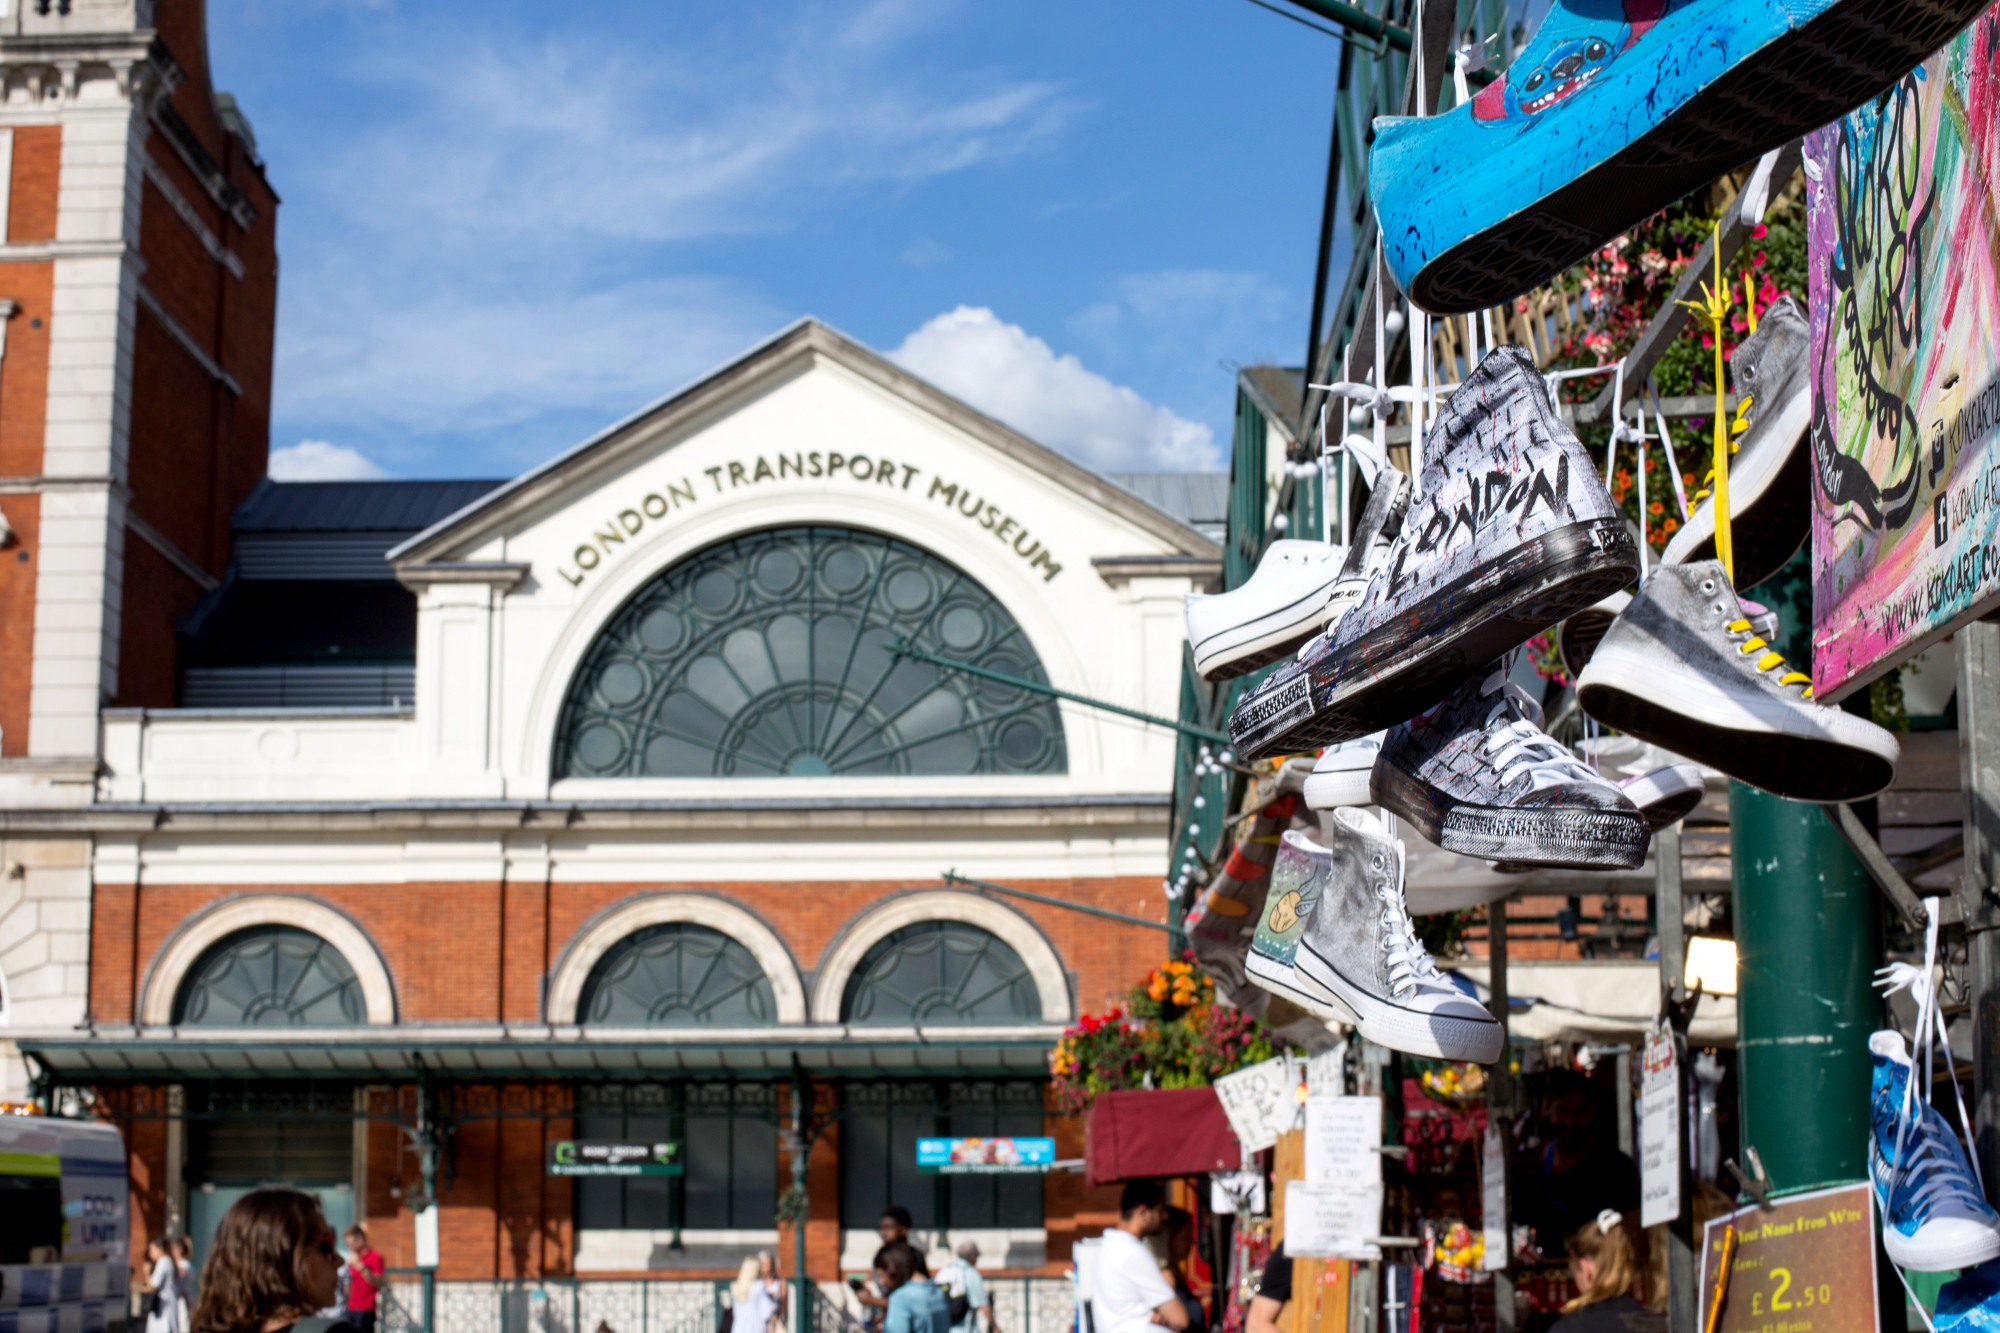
<point>598,1157</point>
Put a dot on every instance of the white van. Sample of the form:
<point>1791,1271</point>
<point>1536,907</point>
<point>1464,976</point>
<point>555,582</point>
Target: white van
<point>64,1234</point>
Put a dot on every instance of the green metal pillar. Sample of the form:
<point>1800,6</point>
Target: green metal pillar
<point>1808,941</point>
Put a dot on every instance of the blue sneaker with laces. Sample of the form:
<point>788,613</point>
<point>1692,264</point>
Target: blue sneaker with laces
<point>1615,109</point>
<point>1934,1218</point>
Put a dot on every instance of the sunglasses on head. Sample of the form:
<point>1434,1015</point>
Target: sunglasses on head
<point>325,1245</point>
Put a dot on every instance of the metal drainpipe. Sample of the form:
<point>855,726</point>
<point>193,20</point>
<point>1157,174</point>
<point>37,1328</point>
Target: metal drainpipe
<point>1808,941</point>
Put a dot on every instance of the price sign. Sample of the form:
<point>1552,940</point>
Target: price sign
<point>1659,1130</point>
<point>1342,1135</point>
<point>1261,1102</point>
<point>1807,1266</point>
<point>1332,1222</point>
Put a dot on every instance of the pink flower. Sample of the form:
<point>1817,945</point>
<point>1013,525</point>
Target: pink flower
<point>1759,260</point>
<point>1759,232</point>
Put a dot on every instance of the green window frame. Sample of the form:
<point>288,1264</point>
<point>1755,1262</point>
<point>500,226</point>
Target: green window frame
<point>677,974</point>
<point>941,974</point>
<point>729,1143</point>
<point>270,976</point>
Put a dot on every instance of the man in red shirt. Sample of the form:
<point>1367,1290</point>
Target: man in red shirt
<point>364,1279</point>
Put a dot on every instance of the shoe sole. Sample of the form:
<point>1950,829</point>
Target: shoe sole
<point>1798,82</point>
<point>1769,519</point>
<point>1241,649</point>
<point>1801,768</point>
<point>1332,791</point>
<point>1920,1256</point>
<point>1554,839</point>
<point>1410,1031</point>
<point>1283,981</point>
<point>1579,636</point>
<point>1412,661</point>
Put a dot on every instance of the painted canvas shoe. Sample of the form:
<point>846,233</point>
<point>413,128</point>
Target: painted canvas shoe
<point>1934,1217</point>
<point>1298,876</point>
<point>1341,775</point>
<point>1358,952</point>
<point>1479,777</point>
<point>1770,477</point>
<point>1614,110</point>
<point>1684,669</point>
<point>1577,637</point>
<point>1513,532</point>
<point>1284,603</point>
<point>1220,928</point>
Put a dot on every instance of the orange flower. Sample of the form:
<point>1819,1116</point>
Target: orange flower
<point>1671,524</point>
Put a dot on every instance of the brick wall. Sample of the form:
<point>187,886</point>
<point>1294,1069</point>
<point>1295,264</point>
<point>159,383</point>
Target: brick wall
<point>17,617</point>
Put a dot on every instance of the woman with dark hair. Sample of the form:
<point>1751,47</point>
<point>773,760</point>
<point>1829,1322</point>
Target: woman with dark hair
<point>915,1304</point>
<point>271,1265</point>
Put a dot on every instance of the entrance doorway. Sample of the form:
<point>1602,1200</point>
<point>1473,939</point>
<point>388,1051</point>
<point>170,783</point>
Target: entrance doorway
<point>229,1158</point>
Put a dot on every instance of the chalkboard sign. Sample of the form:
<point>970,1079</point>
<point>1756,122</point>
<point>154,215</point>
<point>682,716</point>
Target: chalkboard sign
<point>1806,1266</point>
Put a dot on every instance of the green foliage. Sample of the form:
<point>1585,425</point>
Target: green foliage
<point>1885,702</point>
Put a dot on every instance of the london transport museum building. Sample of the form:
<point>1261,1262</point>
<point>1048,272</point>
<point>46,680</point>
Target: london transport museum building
<point>374,837</point>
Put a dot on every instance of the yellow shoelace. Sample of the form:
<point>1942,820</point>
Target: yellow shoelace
<point>1769,659</point>
<point>1736,428</point>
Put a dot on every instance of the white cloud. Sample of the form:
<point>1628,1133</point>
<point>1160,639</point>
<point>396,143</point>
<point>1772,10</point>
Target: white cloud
<point>321,460</point>
<point>1003,371</point>
<point>926,252</point>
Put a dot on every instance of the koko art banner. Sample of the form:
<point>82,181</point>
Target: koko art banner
<point>1904,220</point>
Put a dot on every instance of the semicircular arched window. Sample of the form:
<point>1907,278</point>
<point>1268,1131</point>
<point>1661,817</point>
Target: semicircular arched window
<point>271,976</point>
<point>677,975</point>
<point>771,654</point>
<point>941,973</point>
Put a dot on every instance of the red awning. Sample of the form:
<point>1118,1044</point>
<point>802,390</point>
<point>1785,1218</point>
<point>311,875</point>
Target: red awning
<point>1170,1132</point>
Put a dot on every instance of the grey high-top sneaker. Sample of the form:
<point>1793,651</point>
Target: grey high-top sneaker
<point>1359,952</point>
<point>1513,531</point>
<point>1577,638</point>
<point>1297,877</point>
<point>1770,467</point>
<point>1684,668</point>
<point>1481,778</point>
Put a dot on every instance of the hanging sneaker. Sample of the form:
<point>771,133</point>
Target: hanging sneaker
<point>1220,927</point>
<point>1577,637</point>
<point>1479,777</point>
<point>1359,953</point>
<point>1341,775</point>
<point>1665,795</point>
<point>1934,1217</point>
<point>1683,668</point>
<point>1513,532</point>
<point>1285,602</point>
<point>1770,468</point>
<point>1612,112</point>
<point>1297,878</point>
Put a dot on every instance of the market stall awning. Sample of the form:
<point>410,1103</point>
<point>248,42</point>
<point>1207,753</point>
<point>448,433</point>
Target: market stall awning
<point>541,1052</point>
<point>1613,1000</point>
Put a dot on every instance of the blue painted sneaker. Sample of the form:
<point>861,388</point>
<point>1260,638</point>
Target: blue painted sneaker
<point>1614,110</point>
<point>1934,1218</point>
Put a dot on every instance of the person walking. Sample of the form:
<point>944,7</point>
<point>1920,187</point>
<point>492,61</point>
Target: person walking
<point>272,1264</point>
<point>757,1298</point>
<point>894,1229</point>
<point>914,1305</point>
<point>182,1250</point>
<point>364,1279</point>
<point>965,1291</point>
<point>163,1292</point>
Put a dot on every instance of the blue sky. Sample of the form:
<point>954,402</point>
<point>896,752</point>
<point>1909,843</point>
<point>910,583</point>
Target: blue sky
<point>506,223</point>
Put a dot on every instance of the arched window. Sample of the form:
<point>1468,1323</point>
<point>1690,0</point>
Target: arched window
<point>771,655</point>
<point>271,976</point>
<point>941,973</point>
<point>677,975</point>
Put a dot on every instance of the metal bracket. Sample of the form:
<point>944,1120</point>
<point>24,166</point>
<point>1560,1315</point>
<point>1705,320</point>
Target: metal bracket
<point>1759,1188</point>
<point>1880,870</point>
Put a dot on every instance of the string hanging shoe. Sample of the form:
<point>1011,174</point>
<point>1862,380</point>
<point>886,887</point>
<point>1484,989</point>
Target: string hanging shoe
<point>1359,953</point>
<point>1934,1217</point>
<point>1287,600</point>
<point>1683,667</point>
<point>1298,877</point>
<point>1478,776</point>
<point>1340,777</point>
<point>1611,112</point>
<point>1514,531</point>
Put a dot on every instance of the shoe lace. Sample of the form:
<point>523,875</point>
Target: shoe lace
<point>1931,1172</point>
<point>1410,963</point>
<point>1736,428</point>
<point>1515,744</point>
<point>1771,660</point>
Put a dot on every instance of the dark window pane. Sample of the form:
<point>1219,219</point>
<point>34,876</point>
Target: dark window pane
<point>677,975</point>
<point>907,1185</point>
<point>864,1169</point>
<point>271,976</point>
<point>708,1160</point>
<point>941,972</point>
<point>768,655</point>
<point>754,1193</point>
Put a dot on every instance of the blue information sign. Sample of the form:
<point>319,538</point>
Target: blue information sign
<point>954,1157</point>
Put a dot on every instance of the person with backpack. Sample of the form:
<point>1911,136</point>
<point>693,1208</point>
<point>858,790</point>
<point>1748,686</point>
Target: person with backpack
<point>965,1291</point>
<point>272,1264</point>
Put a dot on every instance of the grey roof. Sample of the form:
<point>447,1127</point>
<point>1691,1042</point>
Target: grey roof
<point>1278,391</point>
<point>354,506</point>
<point>1198,499</point>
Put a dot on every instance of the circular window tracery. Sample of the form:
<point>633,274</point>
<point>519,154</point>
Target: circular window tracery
<point>271,976</point>
<point>677,975</point>
<point>771,655</point>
